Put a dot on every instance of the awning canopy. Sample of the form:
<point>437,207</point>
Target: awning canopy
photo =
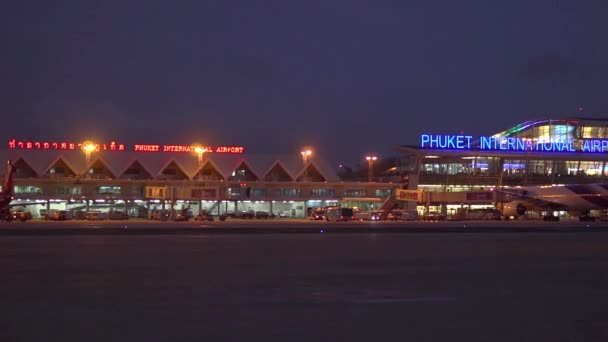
<point>362,199</point>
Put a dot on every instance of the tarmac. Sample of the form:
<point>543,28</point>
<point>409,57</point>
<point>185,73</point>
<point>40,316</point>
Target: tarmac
<point>289,226</point>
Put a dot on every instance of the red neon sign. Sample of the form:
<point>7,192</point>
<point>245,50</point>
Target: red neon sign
<point>230,149</point>
<point>147,148</point>
<point>187,148</point>
<point>36,145</point>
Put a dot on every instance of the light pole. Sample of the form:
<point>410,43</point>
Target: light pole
<point>305,155</point>
<point>88,149</point>
<point>370,162</point>
<point>201,152</point>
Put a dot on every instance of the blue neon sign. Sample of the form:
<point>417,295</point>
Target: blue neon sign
<point>457,142</point>
<point>485,143</point>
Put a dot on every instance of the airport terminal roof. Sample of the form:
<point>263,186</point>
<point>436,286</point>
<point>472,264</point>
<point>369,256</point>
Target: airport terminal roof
<point>154,163</point>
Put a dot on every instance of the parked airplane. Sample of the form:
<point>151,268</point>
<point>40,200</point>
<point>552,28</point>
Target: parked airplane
<point>579,199</point>
<point>6,194</point>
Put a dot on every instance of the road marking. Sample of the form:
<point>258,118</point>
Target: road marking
<point>405,300</point>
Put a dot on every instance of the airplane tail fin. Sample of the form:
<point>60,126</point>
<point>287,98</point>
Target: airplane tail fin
<point>7,186</point>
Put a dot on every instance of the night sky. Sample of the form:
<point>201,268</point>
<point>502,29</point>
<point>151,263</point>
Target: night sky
<point>347,77</point>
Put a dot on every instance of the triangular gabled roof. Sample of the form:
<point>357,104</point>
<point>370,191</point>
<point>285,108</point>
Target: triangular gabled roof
<point>39,161</point>
<point>154,162</point>
<point>116,161</point>
<point>329,172</point>
<point>209,164</point>
<point>259,163</point>
<point>21,163</point>
<point>312,169</point>
<point>98,160</point>
<point>224,164</point>
<point>59,160</point>
<point>293,164</point>
<point>135,162</point>
<point>179,167</point>
<point>278,165</point>
<point>188,163</point>
<point>77,161</point>
<point>242,162</point>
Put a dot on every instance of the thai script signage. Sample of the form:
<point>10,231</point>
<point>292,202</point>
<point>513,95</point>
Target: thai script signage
<point>484,143</point>
<point>37,145</point>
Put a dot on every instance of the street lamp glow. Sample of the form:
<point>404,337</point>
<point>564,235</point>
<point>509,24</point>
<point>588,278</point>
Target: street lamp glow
<point>305,155</point>
<point>370,169</point>
<point>88,148</point>
<point>200,151</point>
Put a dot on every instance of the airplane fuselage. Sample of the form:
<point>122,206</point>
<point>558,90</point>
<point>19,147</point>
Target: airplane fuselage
<point>574,198</point>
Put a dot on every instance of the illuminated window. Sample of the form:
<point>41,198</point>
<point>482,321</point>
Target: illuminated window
<point>62,190</point>
<point>290,192</point>
<point>258,192</point>
<point>239,173</point>
<point>383,192</point>
<point>594,132</point>
<point>203,193</point>
<point>354,193</point>
<point>322,192</point>
<point>233,192</point>
<point>27,189</point>
<point>108,190</point>
<point>137,190</point>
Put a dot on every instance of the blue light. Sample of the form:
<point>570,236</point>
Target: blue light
<point>452,142</point>
<point>503,143</point>
<point>595,145</point>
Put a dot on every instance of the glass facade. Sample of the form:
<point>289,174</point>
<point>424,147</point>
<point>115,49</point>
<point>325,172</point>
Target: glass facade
<point>354,193</point>
<point>27,189</point>
<point>288,193</point>
<point>470,169</point>
<point>323,192</point>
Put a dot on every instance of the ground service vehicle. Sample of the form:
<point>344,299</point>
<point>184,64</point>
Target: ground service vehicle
<point>117,215</point>
<point>317,214</point>
<point>339,214</point>
<point>203,216</point>
<point>403,215</point>
<point>367,216</point>
<point>21,215</point>
<point>93,215</point>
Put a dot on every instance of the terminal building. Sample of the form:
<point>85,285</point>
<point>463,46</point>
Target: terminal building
<point>463,170</point>
<point>441,174</point>
<point>141,179</point>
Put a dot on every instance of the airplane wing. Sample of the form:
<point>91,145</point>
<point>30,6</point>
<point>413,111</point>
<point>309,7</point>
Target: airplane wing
<point>530,200</point>
<point>13,205</point>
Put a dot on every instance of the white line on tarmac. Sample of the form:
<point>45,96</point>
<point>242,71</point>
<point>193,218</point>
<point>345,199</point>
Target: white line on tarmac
<point>405,300</point>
